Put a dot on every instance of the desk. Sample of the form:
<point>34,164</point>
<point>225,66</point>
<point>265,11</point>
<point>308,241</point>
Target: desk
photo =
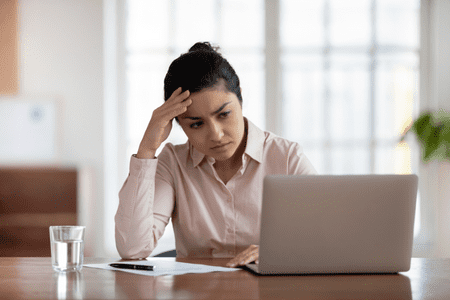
<point>34,278</point>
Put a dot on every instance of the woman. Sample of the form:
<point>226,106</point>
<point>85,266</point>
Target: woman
<point>211,186</point>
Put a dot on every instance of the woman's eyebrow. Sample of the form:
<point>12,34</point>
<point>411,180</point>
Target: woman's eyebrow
<point>215,112</point>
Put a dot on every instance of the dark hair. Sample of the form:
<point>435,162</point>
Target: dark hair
<point>202,67</point>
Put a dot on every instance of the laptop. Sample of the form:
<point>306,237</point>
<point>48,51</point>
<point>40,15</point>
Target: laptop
<point>332,224</point>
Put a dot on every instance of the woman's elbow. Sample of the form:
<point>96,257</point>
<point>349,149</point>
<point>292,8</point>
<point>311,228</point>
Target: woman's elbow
<point>128,251</point>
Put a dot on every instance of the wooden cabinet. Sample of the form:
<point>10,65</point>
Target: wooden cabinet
<point>31,200</point>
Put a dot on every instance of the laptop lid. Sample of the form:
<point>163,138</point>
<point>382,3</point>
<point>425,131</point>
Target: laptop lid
<point>337,224</point>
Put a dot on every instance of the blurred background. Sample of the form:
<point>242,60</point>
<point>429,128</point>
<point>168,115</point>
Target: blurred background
<point>343,78</point>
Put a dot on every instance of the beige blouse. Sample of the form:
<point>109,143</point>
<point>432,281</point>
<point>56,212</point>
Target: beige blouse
<point>210,218</point>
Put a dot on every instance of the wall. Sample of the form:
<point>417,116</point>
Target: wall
<point>61,57</point>
<point>8,47</point>
<point>440,99</point>
<point>434,182</point>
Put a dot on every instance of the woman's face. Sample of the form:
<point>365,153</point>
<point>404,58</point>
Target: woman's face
<point>214,123</point>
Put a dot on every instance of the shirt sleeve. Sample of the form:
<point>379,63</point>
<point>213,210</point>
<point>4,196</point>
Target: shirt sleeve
<point>139,221</point>
<point>298,163</point>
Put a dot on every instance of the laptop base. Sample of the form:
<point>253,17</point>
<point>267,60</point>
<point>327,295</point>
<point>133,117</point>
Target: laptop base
<point>254,268</point>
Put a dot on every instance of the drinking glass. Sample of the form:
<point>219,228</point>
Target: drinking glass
<point>67,247</point>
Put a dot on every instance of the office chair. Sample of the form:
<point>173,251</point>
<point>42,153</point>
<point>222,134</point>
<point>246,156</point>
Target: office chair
<point>170,253</point>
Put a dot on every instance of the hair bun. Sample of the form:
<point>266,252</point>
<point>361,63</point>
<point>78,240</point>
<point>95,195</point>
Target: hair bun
<point>204,46</point>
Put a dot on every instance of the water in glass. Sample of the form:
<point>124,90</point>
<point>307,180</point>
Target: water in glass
<point>67,255</point>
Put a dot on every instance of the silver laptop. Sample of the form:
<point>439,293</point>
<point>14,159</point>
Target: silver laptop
<point>329,224</point>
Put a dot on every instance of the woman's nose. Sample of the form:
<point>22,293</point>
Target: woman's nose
<point>216,132</point>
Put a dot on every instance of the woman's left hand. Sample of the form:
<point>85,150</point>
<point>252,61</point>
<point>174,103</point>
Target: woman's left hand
<point>247,256</point>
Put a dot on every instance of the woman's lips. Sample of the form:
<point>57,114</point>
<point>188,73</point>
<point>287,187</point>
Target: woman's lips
<point>220,147</point>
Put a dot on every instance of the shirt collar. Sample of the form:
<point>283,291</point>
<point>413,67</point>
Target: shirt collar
<point>255,141</point>
<point>196,156</point>
<point>254,147</point>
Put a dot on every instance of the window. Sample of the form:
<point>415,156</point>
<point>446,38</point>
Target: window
<point>348,68</point>
<point>350,81</point>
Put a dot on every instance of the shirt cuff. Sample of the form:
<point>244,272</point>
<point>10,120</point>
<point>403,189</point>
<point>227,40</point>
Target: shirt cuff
<point>141,167</point>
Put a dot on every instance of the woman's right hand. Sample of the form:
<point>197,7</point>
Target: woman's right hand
<point>160,124</point>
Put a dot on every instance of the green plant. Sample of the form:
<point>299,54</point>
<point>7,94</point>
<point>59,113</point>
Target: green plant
<point>432,130</point>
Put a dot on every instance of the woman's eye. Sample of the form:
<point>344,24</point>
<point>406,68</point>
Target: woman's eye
<point>225,114</point>
<point>196,125</point>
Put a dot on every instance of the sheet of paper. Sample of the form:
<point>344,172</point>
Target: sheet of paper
<point>162,266</point>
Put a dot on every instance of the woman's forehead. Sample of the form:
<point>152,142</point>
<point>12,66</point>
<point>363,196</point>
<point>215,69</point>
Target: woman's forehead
<point>208,101</point>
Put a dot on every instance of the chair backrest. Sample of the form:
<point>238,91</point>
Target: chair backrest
<point>170,253</point>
